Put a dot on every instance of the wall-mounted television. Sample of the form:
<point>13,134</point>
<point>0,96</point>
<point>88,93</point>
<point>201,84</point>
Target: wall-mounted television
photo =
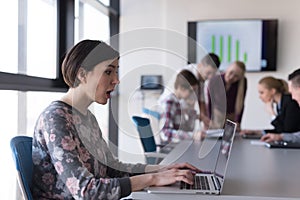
<point>253,41</point>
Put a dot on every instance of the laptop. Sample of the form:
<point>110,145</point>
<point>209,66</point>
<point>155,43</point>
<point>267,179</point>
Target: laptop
<point>208,182</point>
<point>283,144</point>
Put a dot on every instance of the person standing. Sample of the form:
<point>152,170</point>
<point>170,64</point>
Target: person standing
<point>226,95</point>
<point>203,71</point>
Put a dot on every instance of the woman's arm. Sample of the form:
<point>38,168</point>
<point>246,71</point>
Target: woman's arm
<point>164,175</point>
<point>161,178</point>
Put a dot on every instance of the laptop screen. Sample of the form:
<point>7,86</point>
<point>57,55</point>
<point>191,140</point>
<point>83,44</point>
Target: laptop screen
<point>226,144</point>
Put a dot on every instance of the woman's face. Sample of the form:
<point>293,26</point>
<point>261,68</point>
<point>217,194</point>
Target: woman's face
<point>233,74</point>
<point>266,95</point>
<point>207,72</point>
<point>102,80</point>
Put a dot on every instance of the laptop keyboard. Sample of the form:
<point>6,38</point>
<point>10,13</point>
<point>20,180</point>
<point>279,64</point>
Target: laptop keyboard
<point>200,183</point>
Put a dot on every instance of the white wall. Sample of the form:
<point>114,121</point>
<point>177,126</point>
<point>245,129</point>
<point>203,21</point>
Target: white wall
<point>170,17</point>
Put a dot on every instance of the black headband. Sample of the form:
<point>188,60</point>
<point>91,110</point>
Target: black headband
<point>99,54</point>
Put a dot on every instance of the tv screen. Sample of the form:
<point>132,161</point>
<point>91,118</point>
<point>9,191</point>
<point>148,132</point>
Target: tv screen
<point>252,41</point>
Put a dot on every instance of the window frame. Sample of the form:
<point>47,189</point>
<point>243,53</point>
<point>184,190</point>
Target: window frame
<point>65,40</point>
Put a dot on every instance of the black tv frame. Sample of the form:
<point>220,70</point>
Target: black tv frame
<point>269,41</point>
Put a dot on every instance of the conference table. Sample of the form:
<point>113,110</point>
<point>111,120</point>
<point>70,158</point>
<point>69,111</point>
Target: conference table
<point>253,172</point>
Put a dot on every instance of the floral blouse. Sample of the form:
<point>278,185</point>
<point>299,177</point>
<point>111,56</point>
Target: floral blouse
<point>72,160</point>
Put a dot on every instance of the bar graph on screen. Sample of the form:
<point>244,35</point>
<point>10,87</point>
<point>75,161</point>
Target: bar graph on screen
<point>232,40</point>
<point>232,47</point>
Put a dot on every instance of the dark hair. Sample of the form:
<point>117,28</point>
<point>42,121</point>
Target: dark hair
<point>211,59</point>
<point>185,79</point>
<point>86,54</point>
<point>279,85</point>
<point>294,77</point>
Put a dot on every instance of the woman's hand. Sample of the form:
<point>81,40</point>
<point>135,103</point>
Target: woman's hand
<point>171,176</point>
<point>205,120</point>
<point>270,137</point>
<point>166,175</point>
<point>199,135</point>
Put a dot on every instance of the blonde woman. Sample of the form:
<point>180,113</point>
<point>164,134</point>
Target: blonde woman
<point>286,115</point>
<point>226,95</point>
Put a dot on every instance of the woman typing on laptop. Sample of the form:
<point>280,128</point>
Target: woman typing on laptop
<point>71,159</point>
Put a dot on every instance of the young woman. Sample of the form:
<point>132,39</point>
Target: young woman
<point>294,88</point>
<point>226,95</point>
<point>287,113</point>
<point>71,159</point>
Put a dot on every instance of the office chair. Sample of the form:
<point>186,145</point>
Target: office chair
<point>21,147</point>
<point>152,113</point>
<point>153,156</point>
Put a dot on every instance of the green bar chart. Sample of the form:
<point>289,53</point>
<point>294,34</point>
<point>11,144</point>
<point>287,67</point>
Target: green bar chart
<point>231,41</point>
<point>232,47</point>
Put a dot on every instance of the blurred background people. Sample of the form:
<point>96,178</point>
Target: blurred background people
<point>284,110</point>
<point>294,88</point>
<point>178,121</point>
<point>226,95</point>
<point>203,71</point>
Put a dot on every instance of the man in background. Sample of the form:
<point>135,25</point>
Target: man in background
<point>203,71</point>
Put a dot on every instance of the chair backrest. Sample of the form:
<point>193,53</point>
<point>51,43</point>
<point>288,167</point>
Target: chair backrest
<point>145,132</point>
<point>153,113</point>
<point>21,147</point>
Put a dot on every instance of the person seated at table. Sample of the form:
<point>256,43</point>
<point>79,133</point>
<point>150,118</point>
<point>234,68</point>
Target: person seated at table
<point>287,114</point>
<point>178,120</point>
<point>294,88</point>
<point>71,160</point>
<point>226,95</point>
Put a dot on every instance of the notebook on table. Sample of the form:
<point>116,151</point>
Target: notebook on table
<point>208,182</point>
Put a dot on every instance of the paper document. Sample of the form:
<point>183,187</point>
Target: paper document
<point>214,133</point>
<point>257,142</point>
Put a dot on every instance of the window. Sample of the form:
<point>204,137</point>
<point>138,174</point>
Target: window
<point>41,38</point>
<point>90,22</point>
<point>35,35</point>
<point>9,37</point>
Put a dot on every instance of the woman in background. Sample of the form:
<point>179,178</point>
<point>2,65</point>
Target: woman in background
<point>71,160</point>
<point>294,88</point>
<point>273,91</point>
<point>226,95</point>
